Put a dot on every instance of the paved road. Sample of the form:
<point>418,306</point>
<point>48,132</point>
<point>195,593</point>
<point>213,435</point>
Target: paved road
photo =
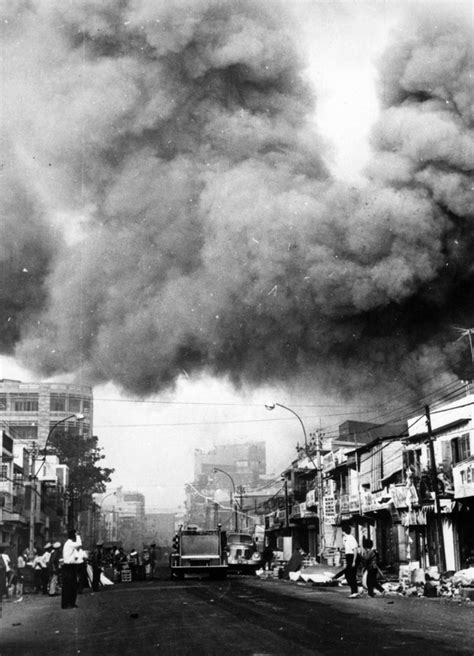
<point>241,615</point>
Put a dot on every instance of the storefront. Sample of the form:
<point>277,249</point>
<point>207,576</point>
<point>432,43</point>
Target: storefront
<point>463,477</point>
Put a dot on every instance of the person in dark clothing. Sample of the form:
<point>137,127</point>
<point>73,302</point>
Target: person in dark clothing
<point>295,563</point>
<point>97,562</point>
<point>369,559</point>
<point>267,556</point>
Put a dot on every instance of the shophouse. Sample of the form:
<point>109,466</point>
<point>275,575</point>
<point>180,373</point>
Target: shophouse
<point>439,463</point>
<point>13,516</point>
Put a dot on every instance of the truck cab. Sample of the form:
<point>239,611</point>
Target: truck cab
<point>242,553</point>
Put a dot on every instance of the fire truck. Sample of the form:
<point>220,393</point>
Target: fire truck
<point>198,551</point>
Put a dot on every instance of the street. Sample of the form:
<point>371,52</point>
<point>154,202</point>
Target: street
<point>240,615</point>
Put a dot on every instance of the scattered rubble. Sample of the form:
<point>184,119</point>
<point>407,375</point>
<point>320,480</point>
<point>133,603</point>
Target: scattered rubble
<point>411,582</point>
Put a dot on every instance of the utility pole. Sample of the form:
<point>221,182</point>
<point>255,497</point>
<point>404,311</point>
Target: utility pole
<point>287,514</point>
<point>240,491</point>
<point>320,490</point>
<point>440,553</point>
<point>32,477</point>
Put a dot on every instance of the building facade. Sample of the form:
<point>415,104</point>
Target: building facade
<point>28,411</point>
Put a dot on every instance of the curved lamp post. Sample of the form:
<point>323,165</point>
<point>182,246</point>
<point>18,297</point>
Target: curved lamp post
<point>272,406</point>
<point>34,476</point>
<point>216,469</point>
<point>318,467</point>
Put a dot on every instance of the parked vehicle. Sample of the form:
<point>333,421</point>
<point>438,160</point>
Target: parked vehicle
<point>242,553</point>
<point>198,551</point>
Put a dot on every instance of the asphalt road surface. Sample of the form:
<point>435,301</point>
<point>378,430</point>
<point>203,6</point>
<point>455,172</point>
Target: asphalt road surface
<point>241,615</point>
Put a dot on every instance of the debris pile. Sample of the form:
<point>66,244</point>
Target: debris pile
<point>430,583</point>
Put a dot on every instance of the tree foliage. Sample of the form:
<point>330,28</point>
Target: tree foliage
<point>82,455</point>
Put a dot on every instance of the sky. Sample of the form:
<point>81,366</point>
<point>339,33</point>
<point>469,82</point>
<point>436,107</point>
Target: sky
<point>173,369</point>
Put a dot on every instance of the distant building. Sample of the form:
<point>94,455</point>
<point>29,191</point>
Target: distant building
<point>122,518</point>
<point>221,477</point>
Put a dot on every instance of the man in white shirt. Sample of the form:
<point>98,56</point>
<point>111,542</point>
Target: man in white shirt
<point>351,549</point>
<point>5,570</point>
<point>69,569</point>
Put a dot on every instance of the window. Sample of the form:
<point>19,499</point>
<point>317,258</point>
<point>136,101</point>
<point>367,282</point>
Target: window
<point>57,403</point>
<point>3,472</point>
<point>23,431</point>
<point>461,448</point>
<point>26,403</point>
<point>74,404</point>
<point>3,401</point>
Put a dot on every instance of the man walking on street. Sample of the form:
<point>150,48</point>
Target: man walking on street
<point>351,549</point>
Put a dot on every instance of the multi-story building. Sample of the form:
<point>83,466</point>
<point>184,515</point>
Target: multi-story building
<point>28,411</point>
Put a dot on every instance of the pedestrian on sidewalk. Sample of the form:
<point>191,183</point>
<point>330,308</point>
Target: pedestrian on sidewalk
<point>351,549</point>
<point>370,566</point>
<point>69,570</point>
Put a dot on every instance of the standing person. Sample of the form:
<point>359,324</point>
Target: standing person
<point>69,570</point>
<point>45,567</point>
<point>97,562</point>
<point>370,564</point>
<point>133,562</point>
<point>267,555</point>
<point>351,549</point>
<point>54,569</point>
<point>5,573</point>
<point>153,559</point>
<point>19,578</point>
<point>37,570</point>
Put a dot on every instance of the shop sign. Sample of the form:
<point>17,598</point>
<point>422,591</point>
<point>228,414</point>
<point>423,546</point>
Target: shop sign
<point>354,503</point>
<point>344,501</point>
<point>371,501</point>
<point>463,474</point>
<point>330,510</point>
<point>399,495</point>
<point>311,498</point>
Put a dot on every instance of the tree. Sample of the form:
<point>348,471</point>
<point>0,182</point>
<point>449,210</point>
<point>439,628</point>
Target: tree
<point>82,455</point>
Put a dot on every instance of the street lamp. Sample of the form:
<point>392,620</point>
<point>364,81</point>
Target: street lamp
<point>318,466</point>
<point>216,469</point>
<point>272,406</point>
<point>34,476</point>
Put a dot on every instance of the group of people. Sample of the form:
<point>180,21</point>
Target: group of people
<point>54,570</point>
<point>141,565</point>
<point>367,558</point>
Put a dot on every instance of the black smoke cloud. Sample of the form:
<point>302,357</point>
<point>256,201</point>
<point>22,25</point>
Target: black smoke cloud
<point>174,142</point>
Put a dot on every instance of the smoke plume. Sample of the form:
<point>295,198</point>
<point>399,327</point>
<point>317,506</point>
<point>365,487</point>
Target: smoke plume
<point>172,145</point>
